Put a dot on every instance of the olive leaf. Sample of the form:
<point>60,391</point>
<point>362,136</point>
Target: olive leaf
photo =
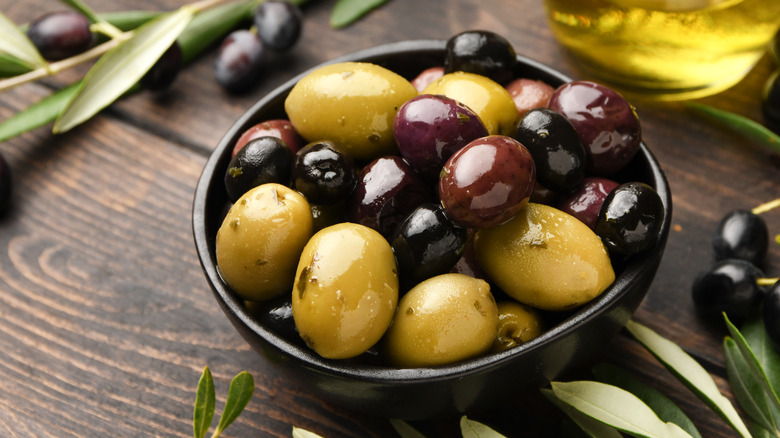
<point>592,427</point>
<point>37,114</point>
<point>665,408</point>
<point>297,432</point>
<point>475,429</point>
<point>744,125</point>
<point>84,9</point>
<point>241,389</point>
<point>746,388</point>
<point>15,43</point>
<point>757,338</point>
<point>209,26</point>
<point>12,66</point>
<point>122,67</point>
<point>689,372</point>
<point>404,430</point>
<point>203,413</point>
<point>346,12</point>
<point>616,407</point>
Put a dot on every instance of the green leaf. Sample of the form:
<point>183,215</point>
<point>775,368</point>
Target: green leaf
<point>211,26</point>
<point>664,407</point>
<point>346,12</point>
<point>748,127</point>
<point>122,67</point>
<point>404,430</point>
<point>475,429</point>
<point>297,432</point>
<point>37,114</point>
<point>203,413</point>
<point>592,427</point>
<point>616,407</point>
<point>129,20</point>
<point>756,336</point>
<point>241,389</point>
<point>689,372</point>
<point>15,43</point>
<point>746,388</point>
<point>12,66</point>
<point>83,8</point>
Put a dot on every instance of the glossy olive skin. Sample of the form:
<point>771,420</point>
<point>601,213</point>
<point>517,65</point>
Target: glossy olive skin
<point>517,324</point>
<point>487,182</point>
<point>528,94</point>
<point>346,290</point>
<point>278,221</point>
<point>741,234</point>
<point>427,244</point>
<point>728,286</point>
<point>430,128</point>
<point>263,160</point>
<point>585,202</point>
<point>323,173</point>
<point>278,24</point>
<point>279,128</point>
<point>164,71</point>
<point>630,218</point>
<point>61,34</point>
<point>556,148</point>
<point>444,319</point>
<point>239,61</point>
<point>771,315</point>
<point>482,52</point>
<point>606,123</point>
<point>425,77</point>
<point>275,314</point>
<point>545,258</point>
<point>387,190</point>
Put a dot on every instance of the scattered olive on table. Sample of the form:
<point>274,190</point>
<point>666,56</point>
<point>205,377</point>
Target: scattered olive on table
<point>418,193</point>
<point>61,34</point>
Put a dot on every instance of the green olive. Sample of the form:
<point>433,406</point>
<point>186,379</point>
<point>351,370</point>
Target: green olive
<point>517,323</point>
<point>260,241</point>
<point>345,291</point>
<point>352,104</point>
<point>444,319</point>
<point>545,258</point>
<point>487,98</point>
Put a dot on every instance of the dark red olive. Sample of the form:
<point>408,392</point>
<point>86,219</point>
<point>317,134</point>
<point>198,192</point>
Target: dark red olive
<point>323,173</point>
<point>528,94</point>
<point>164,71</point>
<point>556,148</point>
<point>278,24</point>
<point>262,160</point>
<point>426,244</point>
<point>487,182</point>
<point>387,190</point>
<point>430,128</point>
<point>62,34</point>
<point>728,286</point>
<point>741,234</point>
<point>482,52</point>
<point>427,76</point>
<point>585,202</point>
<point>279,128</point>
<point>630,218</point>
<point>239,60</point>
<point>606,123</point>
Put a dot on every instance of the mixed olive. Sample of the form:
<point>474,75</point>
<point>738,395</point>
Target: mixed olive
<point>405,219</point>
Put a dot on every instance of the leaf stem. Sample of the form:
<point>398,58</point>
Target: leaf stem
<point>763,208</point>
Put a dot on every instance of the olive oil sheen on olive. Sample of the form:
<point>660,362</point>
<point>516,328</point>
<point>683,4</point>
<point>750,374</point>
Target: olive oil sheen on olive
<point>668,48</point>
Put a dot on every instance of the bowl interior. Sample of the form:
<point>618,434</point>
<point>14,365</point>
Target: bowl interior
<point>408,59</point>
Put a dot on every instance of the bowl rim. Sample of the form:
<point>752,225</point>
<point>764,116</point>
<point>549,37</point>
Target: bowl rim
<point>231,303</point>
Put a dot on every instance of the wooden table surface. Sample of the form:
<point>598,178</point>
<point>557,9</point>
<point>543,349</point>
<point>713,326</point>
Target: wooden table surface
<point>106,320</point>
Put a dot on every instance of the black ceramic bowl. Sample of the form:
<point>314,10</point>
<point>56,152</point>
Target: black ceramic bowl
<point>426,392</point>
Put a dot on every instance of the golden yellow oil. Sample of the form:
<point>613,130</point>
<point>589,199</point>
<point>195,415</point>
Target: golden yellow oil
<point>670,48</point>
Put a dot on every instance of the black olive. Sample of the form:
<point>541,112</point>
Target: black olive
<point>556,148</point>
<point>323,174</point>
<point>164,71</point>
<point>278,24</point>
<point>481,52</point>
<point>729,286</point>
<point>771,315</point>
<point>240,60</point>
<point>262,160</point>
<point>741,234</point>
<point>630,218</point>
<point>426,244</point>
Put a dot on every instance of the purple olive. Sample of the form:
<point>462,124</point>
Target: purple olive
<point>387,191</point>
<point>239,61</point>
<point>430,128</point>
<point>278,24</point>
<point>606,123</point>
<point>487,182</point>
<point>586,201</point>
<point>62,34</point>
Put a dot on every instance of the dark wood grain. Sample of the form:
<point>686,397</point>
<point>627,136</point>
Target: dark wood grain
<point>106,321</point>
